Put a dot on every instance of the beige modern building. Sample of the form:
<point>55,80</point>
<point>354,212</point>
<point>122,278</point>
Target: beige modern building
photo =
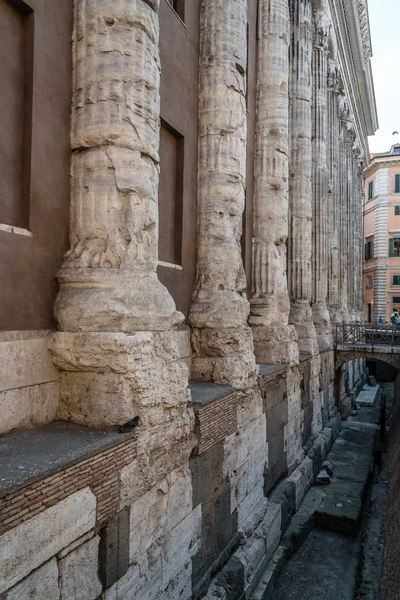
<point>381,271</point>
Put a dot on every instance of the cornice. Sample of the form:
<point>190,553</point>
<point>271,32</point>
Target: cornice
<point>365,32</point>
<point>383,162</point>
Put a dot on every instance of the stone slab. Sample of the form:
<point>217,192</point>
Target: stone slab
<point>368,395</point>
<point>35,541</point>
<point>269,369</point>
<point>79,572</point>
<point>203,392</point>
<point>29,455</point>
<point>24,363</point>
<point>29,406</point>
<point>42,584</point>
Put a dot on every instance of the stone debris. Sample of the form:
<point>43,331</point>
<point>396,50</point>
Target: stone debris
<point>323,477</point>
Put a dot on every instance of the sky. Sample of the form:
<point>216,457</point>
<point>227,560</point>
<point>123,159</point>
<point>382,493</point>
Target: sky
<point>384,17</point>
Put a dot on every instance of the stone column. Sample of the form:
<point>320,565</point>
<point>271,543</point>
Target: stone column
<point>343,111</point>
<point>333,155</point>
<point>221,338</point>
<point>274,339</point>
<point>320,180</point>
<point>351,226</point>
<point>300,169</point>
<point>118,348</point>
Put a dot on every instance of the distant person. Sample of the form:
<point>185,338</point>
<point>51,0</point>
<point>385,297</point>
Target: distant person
<point>393,318</point>
<point>380,320</point>
<point>398,320</point>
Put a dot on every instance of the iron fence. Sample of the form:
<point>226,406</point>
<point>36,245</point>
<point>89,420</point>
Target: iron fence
<point>368,333</point>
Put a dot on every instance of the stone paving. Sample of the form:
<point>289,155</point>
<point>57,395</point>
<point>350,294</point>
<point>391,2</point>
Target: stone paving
<point>327,524</point>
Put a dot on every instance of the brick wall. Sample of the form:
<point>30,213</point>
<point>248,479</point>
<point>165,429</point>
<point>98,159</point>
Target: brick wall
<point>215,421</point>
<point>100,473</point>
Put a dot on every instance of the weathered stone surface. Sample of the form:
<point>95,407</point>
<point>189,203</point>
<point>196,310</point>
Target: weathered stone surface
<point>302,478</point>
<point>79,572</point>
<point>41,584</point>
<point>300,171</point>
<point>25,363</point>
<point>29,406</point>
<point>221,339</point>
<point>35,541</point>
<point>108,279</point>
<point>114,548</point>
<point>321,317</point>
<point>275,340</point>
<point>110,378</point>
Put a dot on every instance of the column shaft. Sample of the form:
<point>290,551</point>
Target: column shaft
<point>274,339</point>
<point>300,170</point>
<point>333,299</point>
<point>221,339</point>
<point>320,180</point>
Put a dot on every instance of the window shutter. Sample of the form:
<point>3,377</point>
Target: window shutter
<point>391,247</point>
<point>397,183</point>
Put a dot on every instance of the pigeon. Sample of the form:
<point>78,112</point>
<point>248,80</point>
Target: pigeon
<point>395,133</point>
<point>126,427</point>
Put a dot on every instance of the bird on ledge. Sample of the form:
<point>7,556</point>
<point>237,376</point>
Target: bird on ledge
<point>129,425</point>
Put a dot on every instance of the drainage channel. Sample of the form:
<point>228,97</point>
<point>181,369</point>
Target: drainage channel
<point>332,542</point>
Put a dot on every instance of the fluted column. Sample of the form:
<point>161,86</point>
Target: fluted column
<point>333,299</point>
<point>351,227</point>
<point>274,338</point>
<point>320,179</point>
<point>343,112</point>
<point>108,279</point>
<point>300,170</point>
<point>221,338</point>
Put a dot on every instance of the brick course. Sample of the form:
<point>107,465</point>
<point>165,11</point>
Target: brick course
<point>215,421</point>
<point>99,472</point>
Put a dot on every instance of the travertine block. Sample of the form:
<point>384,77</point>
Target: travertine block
<point>25,363</point>
<point>35,541</point>
<point>29,406</point>
<point>41,584</point>
<point>79,572</point>
<point>302,478</point>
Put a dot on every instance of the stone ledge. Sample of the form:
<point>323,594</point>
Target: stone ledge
<point>203,392</point>
<point>33,454</point>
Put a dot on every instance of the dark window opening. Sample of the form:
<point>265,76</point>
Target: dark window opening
<point>394,247</point>
<point>369,250</point>
<point>16,73</point>
<point>396,186</point>
<point>370,190</point>
<point>397,210</point>
<point>396,280</point>
<point>396,149</point>
<point>179,7</point>
<point>170,195</point>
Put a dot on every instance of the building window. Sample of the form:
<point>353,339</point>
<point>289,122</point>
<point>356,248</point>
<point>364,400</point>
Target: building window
<point>170,195</point>
<point>396,150</point>
<point>178,6</point>
<point>397,210</point>
<point>369,250</point>
<point>370,190</point>
<point>394,247</point>
<point>16,76</point>
<point>369,282</point>
<point>395,279</point>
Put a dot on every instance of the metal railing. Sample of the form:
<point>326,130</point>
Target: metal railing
<point>368,333</point>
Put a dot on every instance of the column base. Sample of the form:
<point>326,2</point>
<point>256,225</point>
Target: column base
<point>109,378</point>
<point>301,317</point>
<point>322,323</point>
<point>224,356</point>
<point>117,300</point>
<point>275,344</point>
